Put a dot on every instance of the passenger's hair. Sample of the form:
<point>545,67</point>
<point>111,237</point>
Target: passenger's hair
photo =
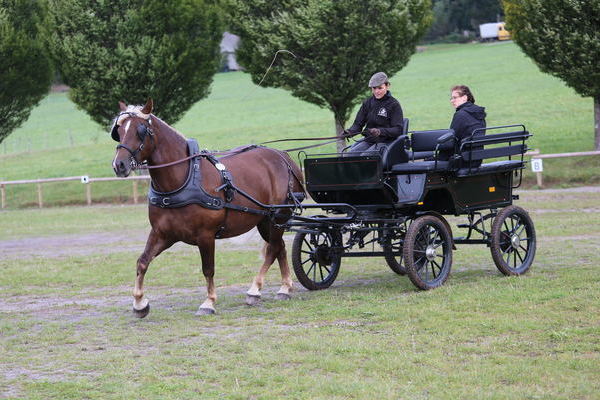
<point>464,91</point>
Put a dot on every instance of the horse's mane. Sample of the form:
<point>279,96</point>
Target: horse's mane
<point>131,109</point>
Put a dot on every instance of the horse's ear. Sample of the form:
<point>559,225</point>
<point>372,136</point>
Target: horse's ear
<point>122,106</point>
<point>148,107</point>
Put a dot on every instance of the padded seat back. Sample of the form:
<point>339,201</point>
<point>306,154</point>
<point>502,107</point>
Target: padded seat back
<point>395,152</point>
<point>427,140</point>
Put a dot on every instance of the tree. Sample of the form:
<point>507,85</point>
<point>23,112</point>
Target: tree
<point>563,38</point>
<point>25,68</point>
<point>336,45</point>
<point>130,50</point>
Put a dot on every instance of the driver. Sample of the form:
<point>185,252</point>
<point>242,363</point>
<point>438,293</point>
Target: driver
<point>380,115</point>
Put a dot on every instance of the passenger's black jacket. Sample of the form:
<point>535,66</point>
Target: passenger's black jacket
<point>467,118</point>
<point>385,114</point>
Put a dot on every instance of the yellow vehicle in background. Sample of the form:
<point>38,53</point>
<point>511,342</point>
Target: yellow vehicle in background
<point>493,31</point>
<point>503,34</point>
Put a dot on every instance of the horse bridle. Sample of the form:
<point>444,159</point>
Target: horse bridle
<point>142,131</point>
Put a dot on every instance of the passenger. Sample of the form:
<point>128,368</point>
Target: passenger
<point>466,119</point>
<point>467,116</point>
<point>380,115</point>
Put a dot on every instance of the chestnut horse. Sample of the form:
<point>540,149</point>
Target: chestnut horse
<point>267,175</point>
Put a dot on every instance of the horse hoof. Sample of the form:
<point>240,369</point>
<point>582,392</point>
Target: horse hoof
<point>252,300</point>
<point>143,312</point>
<point>283,296</point>
<point>205,311</point>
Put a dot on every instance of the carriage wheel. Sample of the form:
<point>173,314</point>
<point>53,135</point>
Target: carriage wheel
<point>428,252</point>
<point>315,259</point>
<point>392,249</point>
<point>513,241</point>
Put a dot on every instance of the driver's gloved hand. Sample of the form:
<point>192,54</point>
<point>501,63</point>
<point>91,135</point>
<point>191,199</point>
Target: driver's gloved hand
<point>374,132</point>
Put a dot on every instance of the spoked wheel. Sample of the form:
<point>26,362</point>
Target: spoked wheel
<point>513,241</point>
<point>392,249</point>
<point>316,258</point>
<point>428,252</point>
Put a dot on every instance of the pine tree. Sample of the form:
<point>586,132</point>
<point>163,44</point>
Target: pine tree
<point>336,45</point>
<point>130,50</point>
<point>25,68</point>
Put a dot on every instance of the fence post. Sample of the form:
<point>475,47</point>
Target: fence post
<point>135,191</point>
<point>88,193</point>
<point>3,190</point>
<point>538,176</point>
<point>39,193</point>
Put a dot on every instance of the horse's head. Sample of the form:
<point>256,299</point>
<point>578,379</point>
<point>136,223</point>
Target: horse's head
<point>133,129</point>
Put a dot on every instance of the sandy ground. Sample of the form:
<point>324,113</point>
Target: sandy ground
<point>84,244</point>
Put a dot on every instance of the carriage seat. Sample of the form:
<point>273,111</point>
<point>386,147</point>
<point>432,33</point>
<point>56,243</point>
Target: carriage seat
<point>395,152</point>
<point>482,145</point>
<point>496,166</point>
<point>424,144</point>
<point>420,166</point>
<point>427,144</point>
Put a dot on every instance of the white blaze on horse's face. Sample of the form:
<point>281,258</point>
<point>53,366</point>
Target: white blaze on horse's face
<point>127,124</point>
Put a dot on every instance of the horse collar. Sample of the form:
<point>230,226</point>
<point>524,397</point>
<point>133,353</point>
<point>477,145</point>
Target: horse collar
<point>191,192</point>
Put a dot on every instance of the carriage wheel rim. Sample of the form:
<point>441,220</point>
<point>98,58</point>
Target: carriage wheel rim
<point>514,253</point>
<point>514,241</point>
<point>426,257</point>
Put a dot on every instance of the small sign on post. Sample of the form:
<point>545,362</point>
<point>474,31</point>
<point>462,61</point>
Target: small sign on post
<point>537,166</point>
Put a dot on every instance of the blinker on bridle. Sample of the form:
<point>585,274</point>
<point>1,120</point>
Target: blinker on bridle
<point>142,132</point>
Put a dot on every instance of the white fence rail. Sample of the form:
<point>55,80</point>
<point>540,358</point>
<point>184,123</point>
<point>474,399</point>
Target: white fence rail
<point>536,155</point>
<point>87,181</point>
<point>84,179</point>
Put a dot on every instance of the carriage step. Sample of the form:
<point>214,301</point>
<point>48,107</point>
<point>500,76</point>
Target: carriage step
<point>463,225</point>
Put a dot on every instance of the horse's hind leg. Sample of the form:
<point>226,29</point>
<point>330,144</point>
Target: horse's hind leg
<point>155,245</point>
<point>274,249</point>
<point>207,253</point>
<point>287,285</point>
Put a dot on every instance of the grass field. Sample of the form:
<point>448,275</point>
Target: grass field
<point>59,140</point>
<point>66,330</point>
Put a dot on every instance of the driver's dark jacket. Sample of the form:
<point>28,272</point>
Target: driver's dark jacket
<point>385,114</point>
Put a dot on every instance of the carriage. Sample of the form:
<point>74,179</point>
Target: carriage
<point>394,204</point>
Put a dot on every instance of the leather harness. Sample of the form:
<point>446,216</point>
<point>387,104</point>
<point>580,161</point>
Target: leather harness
<point>192,192</point>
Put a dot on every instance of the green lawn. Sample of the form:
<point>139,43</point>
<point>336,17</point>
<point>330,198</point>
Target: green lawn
<point>66,330</point>
<point>59,140</point>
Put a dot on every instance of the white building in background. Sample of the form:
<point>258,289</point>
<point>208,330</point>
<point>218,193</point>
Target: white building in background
<point>229,45</point>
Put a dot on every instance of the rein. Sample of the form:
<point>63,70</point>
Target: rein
<point>229,152</point>
<point>202,153</point>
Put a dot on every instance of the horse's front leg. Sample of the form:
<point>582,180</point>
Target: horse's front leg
<point>207,253</point>
<point>155,244</point>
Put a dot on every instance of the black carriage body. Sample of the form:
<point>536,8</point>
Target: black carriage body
<point>361,181</point>
<point>356,180</point>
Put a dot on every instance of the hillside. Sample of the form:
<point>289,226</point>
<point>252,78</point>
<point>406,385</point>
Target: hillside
<point>60,140</point>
